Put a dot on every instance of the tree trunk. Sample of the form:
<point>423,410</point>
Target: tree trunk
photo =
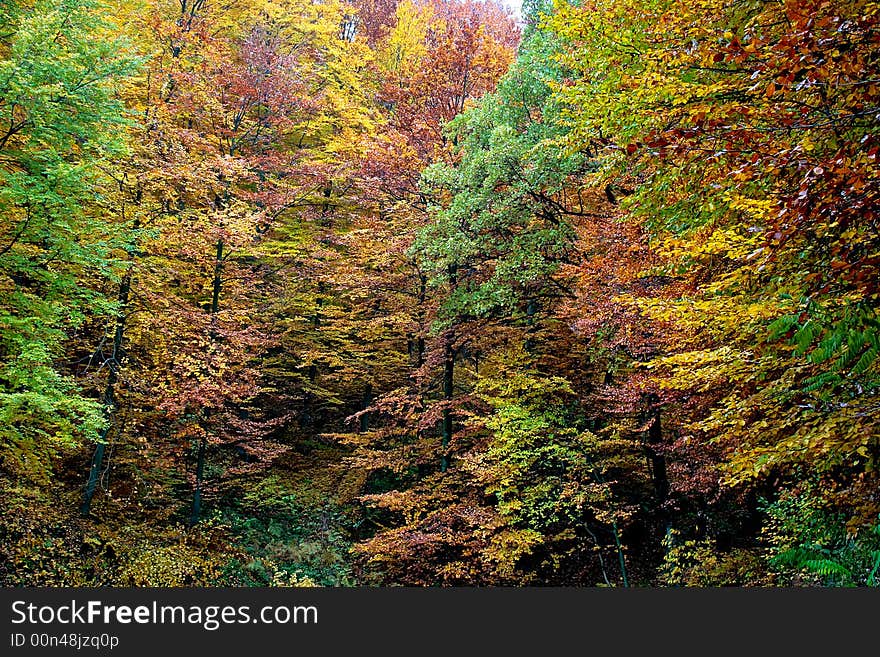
<point>197,493</point>
<point>448,378</point>
<point>531,311</point>
<point>109,396</point>
<point>94,473</point>
<point>200,458</point>
<point>656,458</point>
<point>420,344</point>
<point>218,272</point>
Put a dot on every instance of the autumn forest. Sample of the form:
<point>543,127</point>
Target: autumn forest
<point>439,293</point>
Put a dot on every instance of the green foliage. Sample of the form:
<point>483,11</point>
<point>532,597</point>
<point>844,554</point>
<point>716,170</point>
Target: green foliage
<point>287,539</point>
<point>539,464</point>
<point>811,543</point>
<point>549,476</point>
<point>58,244</point>
<point>700,563</point>
<point>499,220</point>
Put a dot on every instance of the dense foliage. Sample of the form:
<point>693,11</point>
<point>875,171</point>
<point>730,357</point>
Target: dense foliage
<point>300,292</point>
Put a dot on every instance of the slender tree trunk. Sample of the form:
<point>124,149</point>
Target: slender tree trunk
<point>420,343</point>
<point>218,278</point>
<point>531,311</point>
<point>109,396</point>
<point>448,378</point>
<point>620,558</point>
<point>197,493</point>
<point>203,442</point>
<point>656,458</point>
<point>94,474</point>
<point>306,418</point>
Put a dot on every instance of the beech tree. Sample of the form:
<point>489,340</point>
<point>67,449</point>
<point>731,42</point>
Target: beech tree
<point>61,243</point>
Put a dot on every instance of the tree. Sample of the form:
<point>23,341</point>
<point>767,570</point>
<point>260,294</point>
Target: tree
<point>59,243</point>
<point>740,133</point>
